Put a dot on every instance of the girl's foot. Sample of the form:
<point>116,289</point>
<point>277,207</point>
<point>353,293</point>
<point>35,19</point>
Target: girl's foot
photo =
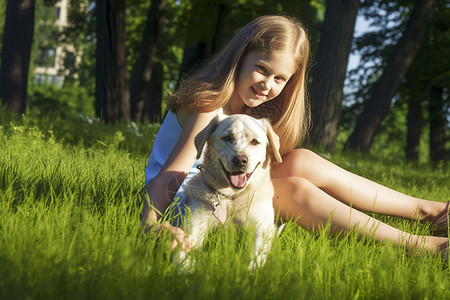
<point>440,227</point>
<point>440,224</point>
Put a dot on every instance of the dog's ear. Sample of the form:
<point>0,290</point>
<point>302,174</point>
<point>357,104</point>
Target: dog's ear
<point>274,141</point>
<point>202,136</point>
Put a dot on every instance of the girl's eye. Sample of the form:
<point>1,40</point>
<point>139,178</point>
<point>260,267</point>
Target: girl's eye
<point>254,142</point>
<point>262,69</point>
<point>280,79</point>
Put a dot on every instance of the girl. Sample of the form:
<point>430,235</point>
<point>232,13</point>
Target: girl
<point>262,73</point>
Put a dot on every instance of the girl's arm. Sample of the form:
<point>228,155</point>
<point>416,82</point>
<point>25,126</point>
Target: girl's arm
<point>163,187</point>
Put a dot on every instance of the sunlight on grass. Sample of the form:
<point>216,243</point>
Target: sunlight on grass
<point>70,229</point>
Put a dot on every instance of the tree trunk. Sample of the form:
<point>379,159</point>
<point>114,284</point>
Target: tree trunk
<point>385,88</point>
<point>437,125</point>
<point>196,48</point>
<point>112,95</point>
<point>329,72</point>
<point>153,106</point>
<point>194,52</point>
<point>142,71</point>
<point>222,25</point>
<point>15,58</point>
<point>414,122</point>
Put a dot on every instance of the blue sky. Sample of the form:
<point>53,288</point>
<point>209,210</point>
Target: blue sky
<point>362,25</point>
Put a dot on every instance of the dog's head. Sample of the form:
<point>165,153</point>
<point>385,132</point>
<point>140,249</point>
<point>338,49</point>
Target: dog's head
<point>239,148</point>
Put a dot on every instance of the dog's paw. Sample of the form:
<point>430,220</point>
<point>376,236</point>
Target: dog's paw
<point>183,261</point>
<point>257,262</point>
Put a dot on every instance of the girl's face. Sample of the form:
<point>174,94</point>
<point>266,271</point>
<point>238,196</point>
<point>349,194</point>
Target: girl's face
<point>263,76</point>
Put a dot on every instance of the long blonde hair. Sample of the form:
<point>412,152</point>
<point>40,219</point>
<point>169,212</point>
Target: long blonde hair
<point>212,87</point>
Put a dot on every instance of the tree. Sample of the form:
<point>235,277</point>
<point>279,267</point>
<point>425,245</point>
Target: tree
<point>415,120</point>
<point>78,39</point>
<point>385,88</point>
<point>329,72</point>
<point>202,23</point>
<point>438,124</point>
<point>427,79</point>
<point>210,24</point>
<point>152,108</point>
<point>142,70</point>
<point>16,51</point>
<point>112,95</point>
<point>2,19</point>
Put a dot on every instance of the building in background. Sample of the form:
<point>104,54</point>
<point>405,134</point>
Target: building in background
<point>51,54</point>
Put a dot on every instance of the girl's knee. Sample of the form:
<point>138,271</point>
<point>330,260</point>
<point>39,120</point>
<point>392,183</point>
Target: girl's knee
<point>301,185</point>
<point>301,155</point>
<point>294,188</point>
<point>298,163</point>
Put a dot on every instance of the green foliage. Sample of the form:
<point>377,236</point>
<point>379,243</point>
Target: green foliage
<point>70,229</point>
<point>391,139</point>
<point>135,25</point>
<point>388,18</point>
<point>429,68</point>
<point>78,38</point>
<point>45,37</point>
<point>80,35</point>
<point>83,131</point>
<point>63,102</point>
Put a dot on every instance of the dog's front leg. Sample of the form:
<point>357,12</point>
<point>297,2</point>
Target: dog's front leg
<point>264,235</point>
<point>197,228</point>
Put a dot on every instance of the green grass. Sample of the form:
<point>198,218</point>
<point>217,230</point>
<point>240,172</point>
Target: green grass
<point>69,229</point>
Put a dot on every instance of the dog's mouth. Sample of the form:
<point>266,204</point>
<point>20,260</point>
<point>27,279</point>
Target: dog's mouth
<point>238,179</point>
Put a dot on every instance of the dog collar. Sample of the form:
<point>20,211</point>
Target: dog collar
<point>219,211</point>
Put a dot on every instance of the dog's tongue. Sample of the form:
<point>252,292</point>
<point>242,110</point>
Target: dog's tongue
<point>238,180</point>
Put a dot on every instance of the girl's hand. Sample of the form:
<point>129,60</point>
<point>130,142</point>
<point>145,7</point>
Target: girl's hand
<point>179,237</point>
<point>149,221</point>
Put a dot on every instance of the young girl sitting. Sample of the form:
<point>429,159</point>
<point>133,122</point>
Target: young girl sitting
<point>262,73</point>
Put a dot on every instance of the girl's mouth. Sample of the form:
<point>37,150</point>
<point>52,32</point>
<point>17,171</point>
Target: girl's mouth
<point>257,94</point>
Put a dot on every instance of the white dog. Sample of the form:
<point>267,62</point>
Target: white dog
<point>234,183</point>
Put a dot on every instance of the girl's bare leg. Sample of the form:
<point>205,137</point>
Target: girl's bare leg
<point>354,190</point>
<point>297,198</point>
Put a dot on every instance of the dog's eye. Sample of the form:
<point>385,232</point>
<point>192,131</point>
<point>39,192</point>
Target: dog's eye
<point>227,138</point>
<point>254,142</point>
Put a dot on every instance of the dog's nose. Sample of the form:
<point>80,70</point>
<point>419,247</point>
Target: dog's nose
<point>240,161</point>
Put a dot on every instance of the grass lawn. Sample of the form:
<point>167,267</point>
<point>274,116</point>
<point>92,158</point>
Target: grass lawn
<point>69,229</point>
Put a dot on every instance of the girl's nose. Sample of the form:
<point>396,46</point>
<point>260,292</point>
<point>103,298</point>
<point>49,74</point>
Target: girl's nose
<point>266,84</point>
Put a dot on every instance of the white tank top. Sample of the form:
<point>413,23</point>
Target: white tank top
<point>164,143</point>
<point>165,140</point>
